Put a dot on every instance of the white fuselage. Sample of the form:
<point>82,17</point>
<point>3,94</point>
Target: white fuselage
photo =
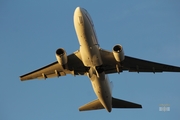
<point>89,49</point>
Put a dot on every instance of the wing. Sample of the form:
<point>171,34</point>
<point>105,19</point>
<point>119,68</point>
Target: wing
<point>138,65</point>
<point>133,64</point>
<point>74,67</point>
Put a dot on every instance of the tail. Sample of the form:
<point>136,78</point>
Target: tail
<point>116,103</point>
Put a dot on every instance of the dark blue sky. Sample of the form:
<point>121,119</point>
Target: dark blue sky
<point>31,32</point>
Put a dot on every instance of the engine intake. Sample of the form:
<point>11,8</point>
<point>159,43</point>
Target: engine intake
<point>118,53</point>
<point>61,56</point>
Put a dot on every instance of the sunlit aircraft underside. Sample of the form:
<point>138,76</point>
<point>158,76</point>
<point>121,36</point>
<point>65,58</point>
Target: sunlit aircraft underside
<point>96,63</point>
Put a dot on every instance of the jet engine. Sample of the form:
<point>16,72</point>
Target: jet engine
<point>118,53</point>
<point>61,56</point>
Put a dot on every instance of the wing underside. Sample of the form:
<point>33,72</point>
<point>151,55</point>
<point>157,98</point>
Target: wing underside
<point>110,65</point>
<point>74,67</point>
<point>133,65</point>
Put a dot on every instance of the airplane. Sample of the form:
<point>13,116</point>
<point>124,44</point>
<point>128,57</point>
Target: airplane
<point>96,63</point>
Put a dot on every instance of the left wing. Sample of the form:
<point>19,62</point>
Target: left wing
<point>74,67</point>
<point>133,64</point>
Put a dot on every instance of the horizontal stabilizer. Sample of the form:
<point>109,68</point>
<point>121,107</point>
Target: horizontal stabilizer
<point>117,103</point>
<point>94,105</point>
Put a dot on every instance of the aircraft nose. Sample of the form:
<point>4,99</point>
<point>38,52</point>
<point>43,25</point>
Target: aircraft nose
<point>78,15</point>
<point>78,10</point>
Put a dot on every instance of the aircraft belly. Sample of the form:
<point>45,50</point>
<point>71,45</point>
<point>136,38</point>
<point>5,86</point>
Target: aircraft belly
<point>89,48</point>
<point>102,90</point>
<point>90,56</point>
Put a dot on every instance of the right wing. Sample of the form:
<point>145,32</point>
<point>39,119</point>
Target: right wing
<point>133,64</point>
<point>74,67</point>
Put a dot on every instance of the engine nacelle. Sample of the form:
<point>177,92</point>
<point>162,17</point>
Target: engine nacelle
<point>61,56</point>
<point>118,53</point>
